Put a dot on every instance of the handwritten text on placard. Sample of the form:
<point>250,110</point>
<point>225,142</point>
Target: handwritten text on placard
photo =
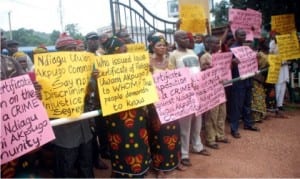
<point>24,122</point>
<point>273,71</point>
<point>209,90</point>
<point>249,20</point>
<point>192,18</point>
<point>222,61</point>
<point>125,82</point>
<point>248,59</point>
<point>176,95</point>
<point>64,77</point>
<point>283,24</point>
<point>288,46</point>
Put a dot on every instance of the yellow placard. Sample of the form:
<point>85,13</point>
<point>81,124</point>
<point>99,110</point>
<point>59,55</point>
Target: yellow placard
<point>190,11</point>
<point>274,68</point>
<point>288,46</point>
<point>283,24</point>
<point>136,47</point>
<point>193,25</point>
<point>64,77</point>
<point>192,18</point>
<point>125,82</point>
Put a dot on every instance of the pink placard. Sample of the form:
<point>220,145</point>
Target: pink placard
<point>25,125</point>
<point>222,61</point>
<point>209,90</point>
<point>247,20</point>
<point>248,59</point>
<point>176,94</point>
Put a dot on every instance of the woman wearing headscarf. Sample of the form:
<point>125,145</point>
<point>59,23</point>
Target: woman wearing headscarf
<point>164,139</point>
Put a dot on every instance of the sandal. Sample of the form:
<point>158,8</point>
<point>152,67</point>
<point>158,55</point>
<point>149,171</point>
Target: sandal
<point>186,162</point>
<point>213,146</point>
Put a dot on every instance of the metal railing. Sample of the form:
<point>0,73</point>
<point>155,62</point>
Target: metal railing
<point>139,21</point>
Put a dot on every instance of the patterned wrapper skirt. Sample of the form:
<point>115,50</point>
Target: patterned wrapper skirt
<point>258,104</point>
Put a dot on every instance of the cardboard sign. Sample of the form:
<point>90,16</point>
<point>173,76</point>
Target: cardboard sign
<point>274,68</point>
<point>25,125</point>
<point>136,47</point>
<point>283,24</point>
<point>192,18</point>
<point>125,82</point>
<point>222,61</point>
<point>248,60</point>
<point>64,77</point>
<point>209,90</point>
<point>288,46</point>
<point>247,20</point>
<point>176,94</point>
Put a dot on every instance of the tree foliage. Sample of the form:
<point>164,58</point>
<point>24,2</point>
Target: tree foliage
<point>73,31</point>
<point>30,37</point>
<point>221,13</point>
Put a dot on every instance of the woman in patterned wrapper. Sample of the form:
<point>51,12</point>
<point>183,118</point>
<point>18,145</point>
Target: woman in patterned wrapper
<point>164,139</point>
<point>128,136</point>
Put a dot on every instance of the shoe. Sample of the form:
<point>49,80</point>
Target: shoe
<point>252,128</point>
<point>236,135</point>
<point>100,165</point>
<point>225,140</point>
<point>281,108</point>
<point>213,146</point>
<point>203,152</point>
<point>186,162</point>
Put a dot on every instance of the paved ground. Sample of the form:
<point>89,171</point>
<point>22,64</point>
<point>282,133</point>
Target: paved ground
<point>273,152</point>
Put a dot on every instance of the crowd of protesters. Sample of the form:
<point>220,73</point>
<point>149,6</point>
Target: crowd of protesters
<point>81,146</point>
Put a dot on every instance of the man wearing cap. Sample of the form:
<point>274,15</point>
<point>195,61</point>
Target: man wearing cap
<point>92,102</point>
<point>12,47</point>
<point>73,141</point>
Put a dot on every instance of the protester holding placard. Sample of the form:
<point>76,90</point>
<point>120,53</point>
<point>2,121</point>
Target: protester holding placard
<point>164,139</point>
<point>190,125</point>
<point>284,76</point>
<point>240,94</point>
<point>270,88</point>
<point>258,104</point>
<point>215,118</point>
<point>127,130</point>
<point>74,140</point>
<point>92,102</point>
<point>10,68</point>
